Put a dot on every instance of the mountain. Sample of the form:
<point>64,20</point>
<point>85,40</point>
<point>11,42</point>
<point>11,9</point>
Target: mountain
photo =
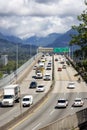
<point>42,41</point>
<point>63,40</point>
<point>12,39</point>
<point>51,40</point>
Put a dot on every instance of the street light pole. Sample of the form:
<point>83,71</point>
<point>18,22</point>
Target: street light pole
<point>16,60</point>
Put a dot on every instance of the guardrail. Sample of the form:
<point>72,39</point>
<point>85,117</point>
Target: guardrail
<point>12,76</point>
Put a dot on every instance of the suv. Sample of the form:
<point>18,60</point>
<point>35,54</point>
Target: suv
<point>33,84</point>
<point>62,103</point>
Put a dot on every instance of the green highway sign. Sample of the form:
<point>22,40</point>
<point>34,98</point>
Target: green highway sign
<point>61,49</point>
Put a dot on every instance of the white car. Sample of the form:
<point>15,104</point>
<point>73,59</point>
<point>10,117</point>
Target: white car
<point>39,76</point>
<point>27,100</point>
<point>78,102</point>
<point>40,88</point>
<point>62,103</point>
<point>71,85</point>
<point>47,77</point>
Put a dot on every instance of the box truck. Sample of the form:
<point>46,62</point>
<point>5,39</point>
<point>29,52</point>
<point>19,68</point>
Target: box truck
<point>11,94</point>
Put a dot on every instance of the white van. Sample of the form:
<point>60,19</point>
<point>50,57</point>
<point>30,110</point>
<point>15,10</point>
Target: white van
<point>27,100</point>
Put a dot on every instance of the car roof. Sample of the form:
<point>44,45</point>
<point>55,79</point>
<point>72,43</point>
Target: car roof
<point>78,99</point>
<point>61,99</point>
<point>27,96</point>
<point>71,83</point>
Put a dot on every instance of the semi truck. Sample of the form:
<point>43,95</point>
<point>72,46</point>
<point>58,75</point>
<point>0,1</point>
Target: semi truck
<point>11,94</point>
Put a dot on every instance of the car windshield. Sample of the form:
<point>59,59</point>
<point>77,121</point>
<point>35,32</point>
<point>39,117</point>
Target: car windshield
<point>77,100</point>
<point>71,83</point>
<point>33,83</point>
<point>61,101</point>
<point>8,96</point>
<point>40,86</point>
<point>26,99</point>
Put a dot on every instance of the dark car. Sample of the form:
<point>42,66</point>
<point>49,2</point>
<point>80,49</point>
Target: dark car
<point>33,84</point>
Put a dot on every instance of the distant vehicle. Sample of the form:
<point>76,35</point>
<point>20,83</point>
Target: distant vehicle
<point>78,102</point>
<point>62,103</point>
<point>64,66</point>
<point>39,75</point>
<point>48,68</point>
<point>40,88</point>
<point>27,100</point>
<point>33,84</point>
<point>47,76</point>
<point>59,69</point>
<point>71,85</point>
<point>11,94</point>
<point>41,64</point>
<point>56,59</point>
<point>34,68</point>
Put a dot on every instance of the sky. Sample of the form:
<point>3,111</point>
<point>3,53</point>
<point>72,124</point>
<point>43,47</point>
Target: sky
<point>25,18</point>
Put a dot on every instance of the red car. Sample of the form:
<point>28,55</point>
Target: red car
<point>59,69</point>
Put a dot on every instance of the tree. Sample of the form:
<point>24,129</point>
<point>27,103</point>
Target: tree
<point>80,38</point>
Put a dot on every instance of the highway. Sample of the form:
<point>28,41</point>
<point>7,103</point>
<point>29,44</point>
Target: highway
<point>13,112</point>
<point>47,112</point>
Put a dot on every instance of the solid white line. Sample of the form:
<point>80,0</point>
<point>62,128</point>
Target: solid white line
<point>36,126</point>
<point>52,112</point>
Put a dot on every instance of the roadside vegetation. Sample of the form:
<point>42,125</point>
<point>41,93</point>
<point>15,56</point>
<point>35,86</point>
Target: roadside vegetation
<point>80,39</point>
<point>15,59</point>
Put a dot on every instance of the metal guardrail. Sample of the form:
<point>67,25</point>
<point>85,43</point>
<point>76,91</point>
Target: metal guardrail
<point>7,80</point>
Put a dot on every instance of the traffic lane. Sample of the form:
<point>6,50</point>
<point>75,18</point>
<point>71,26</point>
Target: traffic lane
<point>17,109</point>
<point>47,114</point>
<point>65,74</point>
<point>54,114</point>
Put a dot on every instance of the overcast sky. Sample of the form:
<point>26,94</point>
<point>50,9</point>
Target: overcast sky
<point>25,18</point>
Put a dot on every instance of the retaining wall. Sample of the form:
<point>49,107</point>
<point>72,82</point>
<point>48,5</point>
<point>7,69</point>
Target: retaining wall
<point>68,123</point>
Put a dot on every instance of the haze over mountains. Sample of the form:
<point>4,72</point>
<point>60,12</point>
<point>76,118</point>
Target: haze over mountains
<point>52,40</point>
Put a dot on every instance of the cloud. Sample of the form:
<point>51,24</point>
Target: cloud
<point>25,18</point>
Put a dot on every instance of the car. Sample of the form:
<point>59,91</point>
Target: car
<point>64,66</point>
<point>47,77</point>
<point>62,103</point>
<point>33,84</point>
<point>59,69</point>
<point>71,85</point>
<point>39,75</point>
<point>78,102</point>
<point>35,67</point>
<point>27,100</point>
<point>40,88</point>
<point>56,59</point>
<point>48,68</point>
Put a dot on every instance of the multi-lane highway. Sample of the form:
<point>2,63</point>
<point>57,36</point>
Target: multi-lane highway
<point>47,112</point>
<point>13,112</point>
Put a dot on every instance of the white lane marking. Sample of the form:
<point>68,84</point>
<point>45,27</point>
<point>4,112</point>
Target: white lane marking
<point>72,108</point>
<point>36,126</point>
<point>52,112</point>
